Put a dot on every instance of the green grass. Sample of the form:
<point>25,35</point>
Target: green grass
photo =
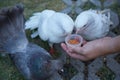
<point>32,6</point>
<point>7,70</point>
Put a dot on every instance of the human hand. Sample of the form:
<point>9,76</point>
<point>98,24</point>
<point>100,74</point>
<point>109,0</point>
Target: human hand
<point>89,50</point>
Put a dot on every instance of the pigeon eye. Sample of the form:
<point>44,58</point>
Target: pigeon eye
<point>85,25</point>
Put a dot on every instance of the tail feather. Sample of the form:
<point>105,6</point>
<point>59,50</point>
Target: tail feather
<point>33,22</point>
<point>12,33</point>
<point>35,34</point>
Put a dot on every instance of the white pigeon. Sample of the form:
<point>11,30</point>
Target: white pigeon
<point>51,26</point>
<point>56,28</point>
<point>37,19</point>
<point>93,24</point>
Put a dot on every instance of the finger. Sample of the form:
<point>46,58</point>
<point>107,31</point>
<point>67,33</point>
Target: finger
<point>64,46</point>
<point>77,50</point>
<point>77,56</point>
<point>68,49</point>
<point>84,42</point>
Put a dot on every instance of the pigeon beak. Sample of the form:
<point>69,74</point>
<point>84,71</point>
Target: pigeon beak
<point>77,31</point>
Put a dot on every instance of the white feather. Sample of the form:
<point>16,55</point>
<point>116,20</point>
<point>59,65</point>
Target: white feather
<point>33,22</point>
<point>52,26</point>
<point>56,28</point>
<point>35,34</point>
<point>98,24</point>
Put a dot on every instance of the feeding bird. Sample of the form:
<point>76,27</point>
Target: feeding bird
<point>93,24</point>
<point>34,62</point>
<point>51,26</point>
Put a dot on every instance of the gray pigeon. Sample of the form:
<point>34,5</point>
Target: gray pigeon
<point>34,62</point>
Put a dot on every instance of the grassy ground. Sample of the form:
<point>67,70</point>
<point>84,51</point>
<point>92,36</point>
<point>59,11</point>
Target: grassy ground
<point>7,69</point>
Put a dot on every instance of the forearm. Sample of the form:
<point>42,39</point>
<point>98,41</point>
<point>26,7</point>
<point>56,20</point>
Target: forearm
<point>112,45</point>
<point>116,44</point>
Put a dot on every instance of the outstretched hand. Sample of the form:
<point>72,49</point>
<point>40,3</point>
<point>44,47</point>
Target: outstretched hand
<point>89,50</point>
